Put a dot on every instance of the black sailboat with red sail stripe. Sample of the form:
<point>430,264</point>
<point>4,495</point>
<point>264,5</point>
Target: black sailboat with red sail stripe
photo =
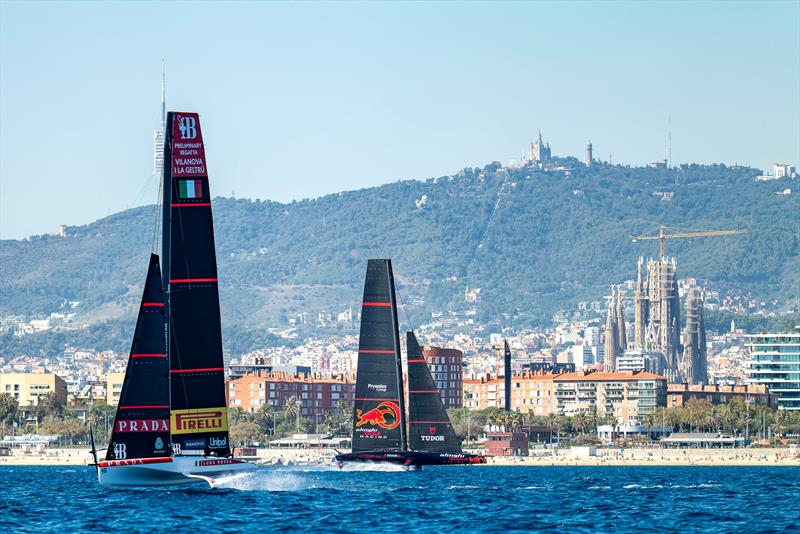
<point>380,426</point>
<point>172,422</point>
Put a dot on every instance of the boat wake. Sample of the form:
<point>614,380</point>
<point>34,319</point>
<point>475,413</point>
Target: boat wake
<point>264,481</point>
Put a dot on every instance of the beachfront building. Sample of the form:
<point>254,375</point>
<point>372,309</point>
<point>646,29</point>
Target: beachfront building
<point>315,394</point>
<point>626,396</point>
<point>29,388</point>
<point>679,394</point>
<point>774,361</point>
<point>447,370</point>
<point>114,387</point>
<point>530,393</point>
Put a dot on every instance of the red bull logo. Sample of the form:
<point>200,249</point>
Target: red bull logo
<point>385,415</point>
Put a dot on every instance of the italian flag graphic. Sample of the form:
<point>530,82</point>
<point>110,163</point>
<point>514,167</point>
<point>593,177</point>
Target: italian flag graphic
<point>190,188</point>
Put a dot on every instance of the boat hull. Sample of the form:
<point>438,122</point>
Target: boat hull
<point>168,471</point>
<point>410,458</point>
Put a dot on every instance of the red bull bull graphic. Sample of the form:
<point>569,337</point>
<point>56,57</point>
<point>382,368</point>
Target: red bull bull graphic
<point>386,415</point>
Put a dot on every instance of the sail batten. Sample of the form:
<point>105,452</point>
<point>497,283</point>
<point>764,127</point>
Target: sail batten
<point>430,429</point>
<point>199,414</point>
<point>141,424</point>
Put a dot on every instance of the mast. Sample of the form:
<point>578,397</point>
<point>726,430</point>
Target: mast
<point>398,359</point>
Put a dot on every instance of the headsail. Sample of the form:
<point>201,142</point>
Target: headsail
<point>379,413</point>
<point>141,426</point>
<point>429,426</point>
<point>199,415</point>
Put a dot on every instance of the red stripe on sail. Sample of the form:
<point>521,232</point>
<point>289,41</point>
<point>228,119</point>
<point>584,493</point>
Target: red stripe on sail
<point>151,355</point>
<point>190,280</point>
<point>423,391</point>
<point>370,351</point>
<point>376,303</point>
<point>429,422</point>
<point>190,204</point>
<point>200,370</point>
<point>372,399</point>
<point>150,407</point>
<point>416,361</point>
<point>153,304</point>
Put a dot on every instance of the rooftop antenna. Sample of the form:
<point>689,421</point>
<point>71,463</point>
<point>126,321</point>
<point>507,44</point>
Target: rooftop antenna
<point>163,95</point>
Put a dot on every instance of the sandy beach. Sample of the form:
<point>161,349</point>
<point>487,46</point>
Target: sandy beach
<point>631,457</point>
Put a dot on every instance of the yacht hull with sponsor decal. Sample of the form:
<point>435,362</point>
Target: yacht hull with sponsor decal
<point>412,459</point>
<point>168,471</point>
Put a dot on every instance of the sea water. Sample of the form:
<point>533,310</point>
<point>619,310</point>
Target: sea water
<point>439,499</point>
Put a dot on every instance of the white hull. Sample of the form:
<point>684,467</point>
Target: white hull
<point>168,471</point>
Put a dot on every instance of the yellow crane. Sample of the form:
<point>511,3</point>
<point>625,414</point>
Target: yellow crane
<point>663,236</point>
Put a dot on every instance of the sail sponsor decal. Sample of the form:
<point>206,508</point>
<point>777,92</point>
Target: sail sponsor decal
<point>381,388</point>
<point>217,443</point>
<point>386,415</point>
<point>198,420</point>
<point>120,451</point>
<point>188,154</point>
<point>190,189</point>
<point>142,425</point>
<point>193,445</point>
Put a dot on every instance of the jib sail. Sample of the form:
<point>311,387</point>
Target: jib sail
<point>379,411</point>
<point>141,426</point>
<point>429,426</point>
<point>199,415</point>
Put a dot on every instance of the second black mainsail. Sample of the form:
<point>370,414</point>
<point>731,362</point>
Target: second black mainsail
<point>141,426</point>
<point>379,413</point>
<point>199,415</point>
<point>430,429</point>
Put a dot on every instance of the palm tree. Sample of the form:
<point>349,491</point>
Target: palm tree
<point>580,422</point>
<point>292,409</point>
<point>263,416</point>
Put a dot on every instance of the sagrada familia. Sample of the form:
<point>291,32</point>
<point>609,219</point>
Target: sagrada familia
<point>657,335</point>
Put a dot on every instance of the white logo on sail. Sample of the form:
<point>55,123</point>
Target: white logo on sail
<point>120,451</point>
<point>188,127</point>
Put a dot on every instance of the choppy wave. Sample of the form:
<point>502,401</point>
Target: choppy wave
<point>387,499</point>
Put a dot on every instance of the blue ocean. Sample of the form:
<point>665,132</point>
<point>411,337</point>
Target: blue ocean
<point>439,499</point>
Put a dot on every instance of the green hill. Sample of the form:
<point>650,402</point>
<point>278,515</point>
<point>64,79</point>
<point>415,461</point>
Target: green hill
<point>533,241</point>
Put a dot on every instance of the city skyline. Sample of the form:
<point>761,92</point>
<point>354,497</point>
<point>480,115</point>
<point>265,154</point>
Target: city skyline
<point>307,100</point>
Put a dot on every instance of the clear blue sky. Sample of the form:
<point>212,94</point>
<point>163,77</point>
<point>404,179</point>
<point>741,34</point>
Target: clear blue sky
<point>300,100</point>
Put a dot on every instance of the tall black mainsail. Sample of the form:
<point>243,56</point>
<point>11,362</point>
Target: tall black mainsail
<point>199,415</point>
<point>429,426</point>
<point>141,426</point>
<point>379,420</point>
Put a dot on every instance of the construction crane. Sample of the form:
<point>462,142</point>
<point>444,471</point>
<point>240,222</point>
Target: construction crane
<point>663,236</point>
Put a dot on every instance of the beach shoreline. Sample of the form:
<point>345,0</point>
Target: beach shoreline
<point>564,457</point>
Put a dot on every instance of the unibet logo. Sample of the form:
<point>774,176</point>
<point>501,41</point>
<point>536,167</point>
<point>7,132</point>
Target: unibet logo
<point>199,420</point>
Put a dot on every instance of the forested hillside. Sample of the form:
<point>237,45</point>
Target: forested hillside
<point>533,241</point>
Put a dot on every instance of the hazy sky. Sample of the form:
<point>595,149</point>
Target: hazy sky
<point>300,100</point>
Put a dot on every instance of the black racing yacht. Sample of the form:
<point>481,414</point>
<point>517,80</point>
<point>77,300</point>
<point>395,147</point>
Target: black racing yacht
<point>381,431</point>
